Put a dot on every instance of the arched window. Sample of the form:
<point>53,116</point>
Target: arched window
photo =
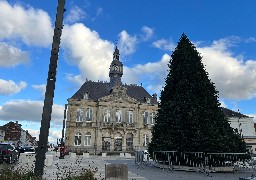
<point>78,137</point>
<point>87,140</point>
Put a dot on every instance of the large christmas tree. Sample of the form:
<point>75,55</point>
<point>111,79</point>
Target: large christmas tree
<point>189,118</point>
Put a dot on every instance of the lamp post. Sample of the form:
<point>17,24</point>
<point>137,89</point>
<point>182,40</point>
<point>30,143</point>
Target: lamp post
<point>63,127</point>
<point>239,124</point>
<point>49,94</point>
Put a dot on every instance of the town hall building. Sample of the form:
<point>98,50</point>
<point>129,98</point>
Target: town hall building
<point>110,116</point>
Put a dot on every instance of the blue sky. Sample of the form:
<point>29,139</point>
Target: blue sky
<point>146,33</point>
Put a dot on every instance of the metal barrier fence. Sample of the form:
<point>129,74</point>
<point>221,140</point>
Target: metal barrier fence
<point>200,161</point>
<point>141,158</point>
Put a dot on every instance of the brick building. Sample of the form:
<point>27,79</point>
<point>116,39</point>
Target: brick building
<point>15,134</point>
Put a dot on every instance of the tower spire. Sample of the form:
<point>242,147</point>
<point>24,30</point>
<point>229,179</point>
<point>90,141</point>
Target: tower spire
<point>116,54</point>
<point>116,69</point>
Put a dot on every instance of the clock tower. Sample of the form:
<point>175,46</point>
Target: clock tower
<point>116,70</point>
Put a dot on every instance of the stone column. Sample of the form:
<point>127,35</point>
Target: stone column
<point>112,141</point>
<point>124,143</point>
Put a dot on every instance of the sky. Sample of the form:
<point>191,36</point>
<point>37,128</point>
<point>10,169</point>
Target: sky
<point>146,33</point>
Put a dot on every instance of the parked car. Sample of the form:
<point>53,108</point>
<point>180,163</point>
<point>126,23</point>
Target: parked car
<point>8,153</point>
<point>27,149</point>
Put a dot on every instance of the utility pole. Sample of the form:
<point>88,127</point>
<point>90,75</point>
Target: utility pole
<point>239,124</point>
<point>49,94</point>
<point>63,127</point>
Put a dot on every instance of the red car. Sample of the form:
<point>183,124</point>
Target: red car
<point>8,153</point>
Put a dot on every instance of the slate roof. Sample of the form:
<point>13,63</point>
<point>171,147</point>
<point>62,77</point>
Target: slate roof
<point>230,113</point>
<point>98,90</point>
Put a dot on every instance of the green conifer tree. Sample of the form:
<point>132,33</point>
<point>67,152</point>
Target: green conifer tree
<point>189,118</point>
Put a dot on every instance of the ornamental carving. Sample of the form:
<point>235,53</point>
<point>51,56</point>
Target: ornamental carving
<point>118,94</point>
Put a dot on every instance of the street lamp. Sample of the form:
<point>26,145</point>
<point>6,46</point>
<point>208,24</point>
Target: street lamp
<point>239,124</point>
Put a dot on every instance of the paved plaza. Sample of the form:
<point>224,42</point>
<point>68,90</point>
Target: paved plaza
<point>74,164</point>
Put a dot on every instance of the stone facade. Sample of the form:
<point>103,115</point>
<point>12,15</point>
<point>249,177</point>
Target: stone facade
<point>110,116</point>
<point>245,126</point>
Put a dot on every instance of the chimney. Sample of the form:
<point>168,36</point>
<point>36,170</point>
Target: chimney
<point>154,96</point>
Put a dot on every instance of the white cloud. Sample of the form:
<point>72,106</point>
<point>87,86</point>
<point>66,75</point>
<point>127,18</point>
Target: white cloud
<point>127,43</point>
<point>250,39</point>
<point>99,11</point>
<point>75,14</point>
<point>148,33</point>
<point>52,138</point>
<point>164,44</point>
<point>88,51</point>
<point>12,56</point>
<point>32,26</point>
<point>153,74</point>
<point>28,110</point>
<point>223,104</point>
<point>234,78</point>
<point>224,43</point>
<point>41,88</point>
<point>8,87</point>
<point>76,79</point>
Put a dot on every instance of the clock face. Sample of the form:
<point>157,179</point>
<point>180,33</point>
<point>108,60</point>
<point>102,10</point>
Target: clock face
<point>116,68</point>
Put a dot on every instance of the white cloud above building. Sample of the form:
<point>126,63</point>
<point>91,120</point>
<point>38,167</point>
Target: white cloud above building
<point>28,110</point>
<point>40,87</point>
<point>75,14</point>
<point>84,48</point>
<point>11,56</point>
<point>147,33</point>
<point>31,26</point>
<point>9,87</point>
<point>127,43</point>
<point>164,44</point>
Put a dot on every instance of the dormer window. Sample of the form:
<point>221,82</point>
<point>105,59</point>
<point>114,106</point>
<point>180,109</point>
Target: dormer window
<point>86,95</point>
<point>147,100</point>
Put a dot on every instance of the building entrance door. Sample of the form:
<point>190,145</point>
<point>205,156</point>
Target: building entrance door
<point>118,144</point>
<point>129,141</point>
<point>105,144</point>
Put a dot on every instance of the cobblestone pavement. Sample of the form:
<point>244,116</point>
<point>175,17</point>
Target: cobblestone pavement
<point>64,166</point>
<point>153,173</point>
<point>72,166</point>
<point>69,165</point>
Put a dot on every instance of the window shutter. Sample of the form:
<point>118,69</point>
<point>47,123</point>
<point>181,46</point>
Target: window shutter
<point>91,114</point>
<point>127,117</point>
<point>109,116</point>
<point>78,115</point>
<point>154,115</point>
<point>146,117</point>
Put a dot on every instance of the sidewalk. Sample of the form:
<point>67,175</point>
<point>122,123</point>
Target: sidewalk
<point>64,166</point>
<point>74,166</point>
